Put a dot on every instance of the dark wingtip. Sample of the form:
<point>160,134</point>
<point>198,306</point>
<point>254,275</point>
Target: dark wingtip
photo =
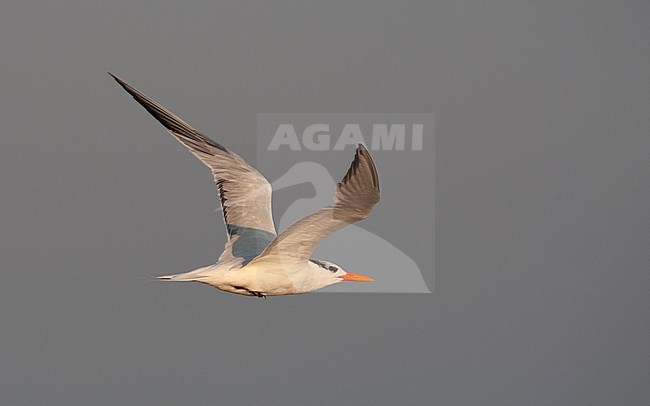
<point>168,119</point>
<point>137,95</point>
<point>118,80</point>
<point>130,89</point>
<point>373,169</point>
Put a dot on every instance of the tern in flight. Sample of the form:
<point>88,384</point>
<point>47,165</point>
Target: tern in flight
<point>256,261</point>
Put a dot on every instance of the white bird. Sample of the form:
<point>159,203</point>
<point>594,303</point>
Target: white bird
<point>256,261</point>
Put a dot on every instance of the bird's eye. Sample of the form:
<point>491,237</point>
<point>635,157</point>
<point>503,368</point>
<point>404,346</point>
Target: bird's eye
<point>333,268</point>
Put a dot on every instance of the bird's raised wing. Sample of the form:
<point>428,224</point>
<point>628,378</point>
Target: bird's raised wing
<point>354,199</point>
<point>245,194</point>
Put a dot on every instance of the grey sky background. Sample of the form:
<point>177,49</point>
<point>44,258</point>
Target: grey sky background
<point>542,162</point>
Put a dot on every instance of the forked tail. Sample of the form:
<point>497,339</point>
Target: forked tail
<point>181,277</point>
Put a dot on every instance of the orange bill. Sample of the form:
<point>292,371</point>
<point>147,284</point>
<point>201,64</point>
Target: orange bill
<point>353,277</point>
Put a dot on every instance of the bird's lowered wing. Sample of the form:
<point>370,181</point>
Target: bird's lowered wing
<point>245,194</point>
<point>355,197</point>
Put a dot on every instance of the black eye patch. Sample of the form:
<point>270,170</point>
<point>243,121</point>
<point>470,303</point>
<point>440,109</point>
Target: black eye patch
<point>324,265</point>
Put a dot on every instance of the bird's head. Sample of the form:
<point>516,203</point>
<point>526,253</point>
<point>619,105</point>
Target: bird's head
<point>332,273</point>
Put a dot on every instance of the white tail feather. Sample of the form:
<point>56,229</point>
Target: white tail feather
<point>181,277</point>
